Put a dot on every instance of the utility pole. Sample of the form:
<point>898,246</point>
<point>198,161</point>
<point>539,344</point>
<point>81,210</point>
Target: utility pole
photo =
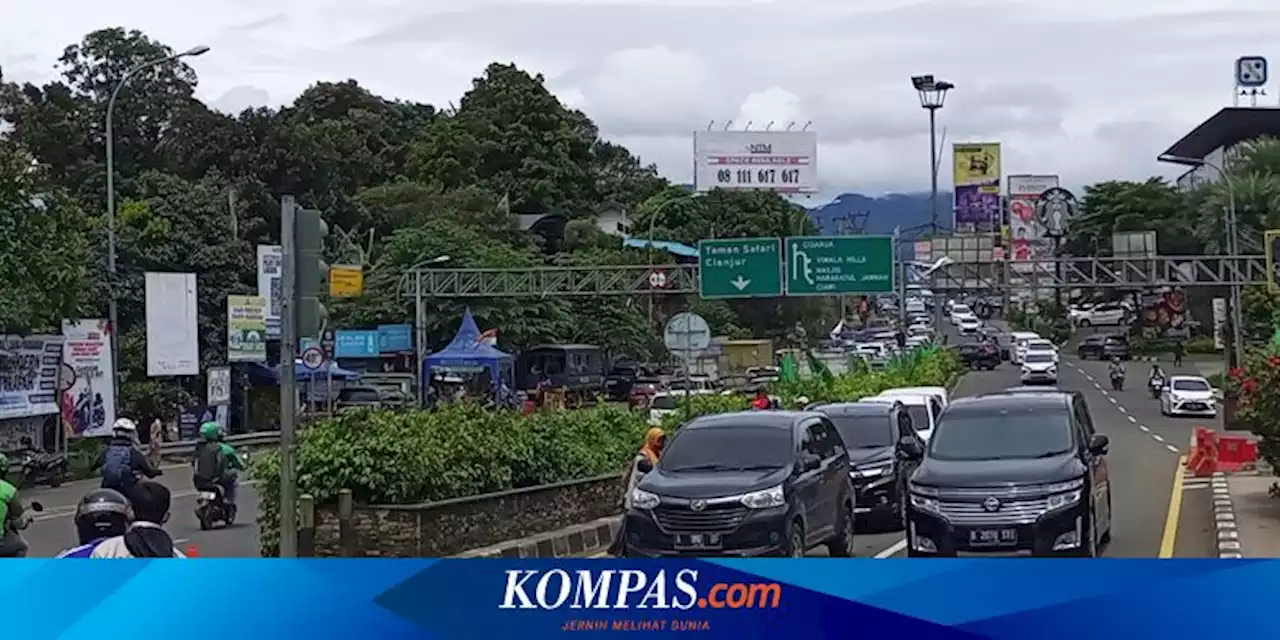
<point>288,379</point>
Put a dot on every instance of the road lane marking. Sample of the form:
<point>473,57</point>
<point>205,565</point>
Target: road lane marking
<point>1171,448</point>
<point>1133,420</point>
<point>1113,400</point>
<point>1157,437</point>
<point>892,550</point>
<point>1145,428</point>
<point>1098,387</point>
<point>1122,409</point>
<point>1170,537</point>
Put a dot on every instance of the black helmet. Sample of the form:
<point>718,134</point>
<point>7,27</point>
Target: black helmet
<point>102,513</point>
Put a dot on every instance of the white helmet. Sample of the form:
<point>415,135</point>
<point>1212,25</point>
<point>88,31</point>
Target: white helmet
<point>125,424</point>
<point>802,401</point>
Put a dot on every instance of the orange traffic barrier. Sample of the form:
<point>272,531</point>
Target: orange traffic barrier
<point>1236,453</point>
<point>193,551</point>
<point>1203,460</point>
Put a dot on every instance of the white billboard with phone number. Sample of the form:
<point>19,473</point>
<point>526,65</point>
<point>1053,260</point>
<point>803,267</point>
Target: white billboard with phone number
<point>782,161</point>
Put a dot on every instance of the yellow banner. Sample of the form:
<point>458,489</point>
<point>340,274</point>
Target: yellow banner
<point>346,281</point>
<point>977,164</point>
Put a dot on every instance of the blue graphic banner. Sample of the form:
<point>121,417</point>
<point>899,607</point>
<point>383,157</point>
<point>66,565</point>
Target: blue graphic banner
<point>356,344</point>
<point>395,338</point>
<point>739,599</point>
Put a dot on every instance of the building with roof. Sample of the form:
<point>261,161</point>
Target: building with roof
<point>1217,141</point>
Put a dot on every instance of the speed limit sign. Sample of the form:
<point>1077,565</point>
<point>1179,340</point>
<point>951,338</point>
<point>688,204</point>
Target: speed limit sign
<point>657,279</point>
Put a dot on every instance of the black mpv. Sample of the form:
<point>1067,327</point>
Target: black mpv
<point>871,432</point>
<point>1021,474</point>
<point>758,483</point>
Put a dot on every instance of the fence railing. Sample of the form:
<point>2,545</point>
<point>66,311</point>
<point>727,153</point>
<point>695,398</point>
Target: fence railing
<point>188,447</point>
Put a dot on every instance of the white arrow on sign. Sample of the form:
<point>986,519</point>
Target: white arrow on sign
<point>741,283</point>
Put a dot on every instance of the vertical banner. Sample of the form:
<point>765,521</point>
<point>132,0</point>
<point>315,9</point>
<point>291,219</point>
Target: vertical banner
<point>218,386</point>
<point>89,402</point>
<point>976,170</point>
<point>173,325</point>
<point>1219,323</point>
<point>1027,240</point>
<point>270,272</point>
<point>246,329</point>
<point>29,375</point>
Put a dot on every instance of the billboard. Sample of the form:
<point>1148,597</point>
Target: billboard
<point>173,331</point>
<point>782,161</point>
<point>270,272</point>
<point>29,369</point>
<point>976,175</point>
<point>1027,239</point>
<point>89,401</point>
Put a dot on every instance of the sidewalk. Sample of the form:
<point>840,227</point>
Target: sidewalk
<point>1256,514</point>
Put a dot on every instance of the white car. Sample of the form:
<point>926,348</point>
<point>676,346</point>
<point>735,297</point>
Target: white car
<point>916,305</point>
<point>920,329</point>
<point>1037,345</point>
<point>661,405</point>
<point>1188,396</point>
<point>923,409</point>
<point>961,312</point>
<point>969,325</point>
<point>918,341</point>
<point>872,350</point>
<point>1039,367</point>
<point>1103,314</point>
<point>1020,340</point>
<point>938,392</point>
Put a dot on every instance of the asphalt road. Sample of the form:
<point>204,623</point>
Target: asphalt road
<point>53,530</point>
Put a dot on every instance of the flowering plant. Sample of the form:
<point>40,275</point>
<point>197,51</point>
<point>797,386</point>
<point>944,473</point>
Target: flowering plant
<point>1255,386</point>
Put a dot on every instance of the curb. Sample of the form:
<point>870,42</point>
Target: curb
<point>578,540</point>
<point>1224,518</point>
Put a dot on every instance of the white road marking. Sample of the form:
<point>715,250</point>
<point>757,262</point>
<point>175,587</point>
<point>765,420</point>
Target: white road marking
<point>1122,409</point>
<point>1144,428</point>
<point>1098,387</point>
<point>1157,437</point>
<point>892,550</point>
<point>1133,420</point>
<point>1113,400</point>
<point>1171,448</point>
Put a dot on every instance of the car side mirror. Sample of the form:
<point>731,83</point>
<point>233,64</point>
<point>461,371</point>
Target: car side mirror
<point>644,466</point>
<point>910,448</point>
<point>810,462</point>
<point>1217,393</point>
<point>1099,444</point>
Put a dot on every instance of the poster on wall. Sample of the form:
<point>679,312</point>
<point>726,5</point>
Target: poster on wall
<point>89,404</point>
<point>976,176</point>
<point>173,342</point>
<point>270,274</point>
<point>29,375</point>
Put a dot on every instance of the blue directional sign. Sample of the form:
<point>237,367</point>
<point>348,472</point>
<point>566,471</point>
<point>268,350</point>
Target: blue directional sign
<point>356,344</point>
<point>1251,71</point>
<point>395,338</point>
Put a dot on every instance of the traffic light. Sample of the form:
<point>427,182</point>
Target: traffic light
<point>313,272</point>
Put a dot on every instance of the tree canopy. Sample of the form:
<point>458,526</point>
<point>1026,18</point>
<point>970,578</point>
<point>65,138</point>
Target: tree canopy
<point>198,189</point>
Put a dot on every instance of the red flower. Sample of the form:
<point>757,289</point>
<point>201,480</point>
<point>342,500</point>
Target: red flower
<point>1273,361</point>
<point>1249,386</point>
<point>1236,373</point>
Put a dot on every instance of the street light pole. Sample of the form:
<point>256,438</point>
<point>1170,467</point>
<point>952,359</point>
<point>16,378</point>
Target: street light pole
<point>112,310</point>
<point>933,95</point>
<point>420,324</point>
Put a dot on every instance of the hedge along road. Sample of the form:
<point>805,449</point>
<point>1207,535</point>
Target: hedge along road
<point>54,530</point>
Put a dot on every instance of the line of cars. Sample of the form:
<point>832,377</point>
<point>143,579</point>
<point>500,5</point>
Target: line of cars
<point>1020,472</point>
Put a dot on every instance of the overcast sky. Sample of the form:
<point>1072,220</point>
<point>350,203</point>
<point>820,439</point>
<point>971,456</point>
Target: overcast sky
<point>1088,89</point>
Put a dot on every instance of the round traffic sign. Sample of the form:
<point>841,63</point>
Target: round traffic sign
<point>67,377</point>
<point>657,279</point>
<point>313,358</point>
<point>686,334</point>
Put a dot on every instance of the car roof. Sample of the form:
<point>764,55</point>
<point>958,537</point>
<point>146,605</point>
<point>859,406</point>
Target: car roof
<point>1198,378</point>
<point>988,402</point>
<point>855,408</point>
<point>767,419</point>
<point>907,399</point>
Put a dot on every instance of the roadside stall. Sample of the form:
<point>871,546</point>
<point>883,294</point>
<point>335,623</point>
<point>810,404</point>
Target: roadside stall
<point>469,367</point>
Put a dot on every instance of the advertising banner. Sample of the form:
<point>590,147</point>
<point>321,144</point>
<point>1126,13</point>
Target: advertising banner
<point>782,161</point>
<point>246,329</point>
<point>89,403</point>
<point>976,175</point>
<point>1027,240</point>
<point>270,272</point>
<point>395,338</point>
<point>218,386</point>
<point>356,344</point>
<point>29,375</point>
<point>1220,323</point>
<point>173,325</point>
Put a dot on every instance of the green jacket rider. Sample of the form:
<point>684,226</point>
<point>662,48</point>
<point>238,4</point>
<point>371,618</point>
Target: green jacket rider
<point>215,462</point>
<point>13,517</point>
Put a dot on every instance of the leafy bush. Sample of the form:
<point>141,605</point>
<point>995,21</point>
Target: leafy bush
<point>408,457</point>
<point>1202,345</point>
<point>1254,386</point>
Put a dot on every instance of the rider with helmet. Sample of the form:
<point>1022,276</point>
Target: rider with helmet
<point>124,460</point>
<point>13,518</point>
<point>101,514</point>
<point>215,463</point>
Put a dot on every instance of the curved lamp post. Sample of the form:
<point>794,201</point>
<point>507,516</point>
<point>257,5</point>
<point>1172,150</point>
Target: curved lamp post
<point>112,311</point>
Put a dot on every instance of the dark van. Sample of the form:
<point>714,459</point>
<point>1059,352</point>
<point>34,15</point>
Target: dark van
<point>759,483</point>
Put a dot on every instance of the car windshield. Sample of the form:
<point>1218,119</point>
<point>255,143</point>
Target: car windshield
<point>864,432</point>
<point>1191,385</point>
<point>1040,345</point>
<point>727,448</point>
<point>1039,356</point>
<point>1002,434</point>
<point>663,402</point>
<point>919,416</point>
<point>960,308</point>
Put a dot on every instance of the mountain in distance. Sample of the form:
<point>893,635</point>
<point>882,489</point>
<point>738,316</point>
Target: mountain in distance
<point>907,211</point>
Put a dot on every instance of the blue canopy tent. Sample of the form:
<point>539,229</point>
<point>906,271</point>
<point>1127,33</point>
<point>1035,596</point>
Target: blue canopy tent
<point>467,354</point>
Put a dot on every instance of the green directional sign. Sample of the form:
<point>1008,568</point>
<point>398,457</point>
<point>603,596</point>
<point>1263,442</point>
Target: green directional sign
<point>839,265</point>
<point>740,268</point>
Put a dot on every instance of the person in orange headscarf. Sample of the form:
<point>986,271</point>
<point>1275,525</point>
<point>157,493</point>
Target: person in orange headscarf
<point>654,441</point>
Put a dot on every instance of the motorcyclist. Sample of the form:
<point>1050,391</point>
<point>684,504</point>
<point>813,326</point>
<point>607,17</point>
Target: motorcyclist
<point>13,517</point>
<point>761,402</point>
<point>145,537</point>
<point>1156,374</point>
<point>1116,368</point>
<point>101,514</point>
<point>215,463</point>
<point>124,460</point>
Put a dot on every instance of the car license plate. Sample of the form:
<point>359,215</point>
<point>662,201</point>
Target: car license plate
<point>993,537</point>
<point>698,541</point>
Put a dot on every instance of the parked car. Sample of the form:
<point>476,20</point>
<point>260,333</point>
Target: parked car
<point>752,483</point>
<point>925,409</point>
<point>978,356</point>
<point>642,390</point>
<point>1104,347</point>
<point>1102,314</point>
<point>870,432</point>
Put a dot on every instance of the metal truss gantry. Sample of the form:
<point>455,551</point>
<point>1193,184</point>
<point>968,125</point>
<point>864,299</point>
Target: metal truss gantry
<point>624,280</point>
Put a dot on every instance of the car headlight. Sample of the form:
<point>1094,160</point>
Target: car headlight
<point>925,503</point>
<point>1065,494</point>
<point>1053,371</point>
<point>642,499</point>
<point>1026,371</point>
<point>766,499</point>
<point>873,470</point>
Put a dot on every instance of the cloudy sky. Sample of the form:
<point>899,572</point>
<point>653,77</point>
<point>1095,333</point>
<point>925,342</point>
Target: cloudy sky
<point>1088,89</point>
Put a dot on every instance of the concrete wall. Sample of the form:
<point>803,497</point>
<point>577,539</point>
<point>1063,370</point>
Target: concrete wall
<point>451,527</point>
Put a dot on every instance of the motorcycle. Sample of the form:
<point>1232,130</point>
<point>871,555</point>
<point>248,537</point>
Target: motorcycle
<point>42,468</point>
<point>1117,381</point>
<point>212,508</point>
<point>1156,385</point>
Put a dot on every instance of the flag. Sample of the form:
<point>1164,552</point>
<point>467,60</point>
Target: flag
<point>820,368</point>
<point>489,337</point>
<point>789,371</point>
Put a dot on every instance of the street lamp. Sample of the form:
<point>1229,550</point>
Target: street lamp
<point>933,94</point>
<point>420,320</point>
<point>112,311</point>
<point>1230,246</point>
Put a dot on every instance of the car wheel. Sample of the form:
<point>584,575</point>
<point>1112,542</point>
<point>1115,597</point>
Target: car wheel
<point>841,546</point>
<point>795,541</point>
<point>1084,322</point>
